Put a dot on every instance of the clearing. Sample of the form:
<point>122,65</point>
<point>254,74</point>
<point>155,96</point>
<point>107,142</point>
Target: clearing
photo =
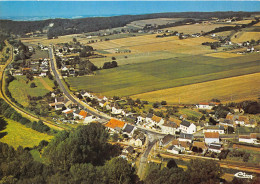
<point>240,88</point>
<point>20,135</point>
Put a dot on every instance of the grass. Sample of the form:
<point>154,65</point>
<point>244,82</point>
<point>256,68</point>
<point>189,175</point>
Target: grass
<point>230,89</point>
<point>190,112</point>
<point>20,135</point>
<point>40,54</point>
<point>150,76</point>
<point>37,156</point>
<point>19,89</point>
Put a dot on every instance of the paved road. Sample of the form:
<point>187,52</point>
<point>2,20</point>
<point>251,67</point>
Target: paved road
<point>68,95</point>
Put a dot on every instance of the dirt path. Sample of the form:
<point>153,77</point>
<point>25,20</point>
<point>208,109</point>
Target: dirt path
<point>45,84</point>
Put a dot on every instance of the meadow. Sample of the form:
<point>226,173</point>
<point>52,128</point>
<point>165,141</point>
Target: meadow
<point>20,135</point>
<point>245,87</point>
<point>20,89</point>
<point>161,74</point>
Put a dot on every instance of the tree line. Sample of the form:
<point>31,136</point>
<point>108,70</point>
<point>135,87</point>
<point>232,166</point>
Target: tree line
<point>73,26</point>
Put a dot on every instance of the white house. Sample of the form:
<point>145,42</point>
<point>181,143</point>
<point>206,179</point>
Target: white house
<point>187,127</point>
<point>208,106</point>
<point>90,119</point>
<point>218,128</point>
<point>211,137</point>
<point>129,130</point>
<point>116,111</point>
<point>169,127</point>
<point>185,137</point>
<point>174,150</point>
<point>252,138</point>
<point>214,147</point>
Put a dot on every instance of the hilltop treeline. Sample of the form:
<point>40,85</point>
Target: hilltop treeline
<point>71,26</point>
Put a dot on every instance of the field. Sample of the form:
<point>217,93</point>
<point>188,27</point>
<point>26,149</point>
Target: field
<point>19,89</point>
<point>245,36</point>
<point>196,28</point>
<point>20,135</point>
<point>240,88</point>
<point>161,74</point>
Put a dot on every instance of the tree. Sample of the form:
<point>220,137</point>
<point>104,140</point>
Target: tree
<point>113,58</point>
<point>33,85</point>
<point>74,39</point>
<point>156,105</point>
<point>171,164</point>
<point>163,103</point>
<point>203,171</point>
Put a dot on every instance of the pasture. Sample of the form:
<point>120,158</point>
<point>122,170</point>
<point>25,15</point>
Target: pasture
<point>20,89</point>
<point>245,36</point>
<point>161,74</point>
<point>20,135</point>
<point>245,87</point>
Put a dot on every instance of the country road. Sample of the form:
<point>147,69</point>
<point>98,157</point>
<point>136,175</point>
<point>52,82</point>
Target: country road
<point>68,95</point>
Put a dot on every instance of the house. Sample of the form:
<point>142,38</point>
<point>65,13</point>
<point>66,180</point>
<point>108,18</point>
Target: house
<point>129,130</point>
<point>214,147</point>
<point>166,140</point>
<point>116,111</point>
<point>81,114</point>
<point>138,142</point>
<point>90,119</point>
<point>67,112</point>
<point>139,119</point>
<point>218,128</point>
<point>186,137</point>
<point>115,125</point>
<point>187,127</point>
<point>157,120</point>
<point>226,122</point>
<point>148,118</point>
<point>238,120</point>
<point>129,150</point>
<point>181,145</point>
<point>169,127</point>
<point>102,103</point>
<point>211,137</point>
<point>59,107</point>
<point>174,150</point>
<point>207,106</point>
<point>252,138</point>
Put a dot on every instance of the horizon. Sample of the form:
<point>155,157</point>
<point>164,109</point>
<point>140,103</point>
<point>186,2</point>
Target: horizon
<point>12,10</point>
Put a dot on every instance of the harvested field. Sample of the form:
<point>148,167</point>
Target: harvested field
<point>196,28</point>
<point>223,55</point>
<point>245,36</point>
<point>240,88</point>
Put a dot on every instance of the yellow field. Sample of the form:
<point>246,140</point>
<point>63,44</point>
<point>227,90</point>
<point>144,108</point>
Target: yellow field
<point>196,28</point>
<point>258,24</point>
<point>223,55</point>
<point>240,88</point>
<point>242,22</point>
<point>20,135</point>
<point>245,36</point>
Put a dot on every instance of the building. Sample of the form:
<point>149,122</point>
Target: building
<point>174,150</point>
<point>217,128</point>
<point>187,127</point>
<point>214,147</point>
<point>115,125</point>
<point>211,137</point>
<point>169,127</point>
<point>186,137</point>
<point>206,106</point>
<point>252,138</point>
<point>129,130</point>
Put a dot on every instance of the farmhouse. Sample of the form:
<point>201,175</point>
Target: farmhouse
<point>169,127</point>
<point>187,127</point>
<point>211,137</point>
<point>252,138</point>
<point>207,106</point>
<point>218,128</point>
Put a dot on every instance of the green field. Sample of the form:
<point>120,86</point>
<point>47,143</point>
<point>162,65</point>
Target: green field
<point>20,135</point>
<point>161,74</point>
<point>20,90</point>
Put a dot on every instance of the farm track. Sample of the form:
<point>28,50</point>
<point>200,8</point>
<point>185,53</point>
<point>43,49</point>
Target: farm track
<point>12,104</point>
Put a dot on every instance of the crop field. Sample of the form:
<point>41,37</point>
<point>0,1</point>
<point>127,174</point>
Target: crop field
<point>161,74</point>
<point>20,135</point>
<point>245,36</point>
<point>223,55</point>
<point>19,89</point>
<point>159,21</point>
<point>245,87</point>
<point>196,28</point>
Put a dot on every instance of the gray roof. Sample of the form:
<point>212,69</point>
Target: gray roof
<point>186,136</point>
<point>149,115</point>
<point>185,123</point>
<point>215,146</point>
<point>167,139</point>
<point>128,128</point>
<point>217,127</point>
<point>130,149</point>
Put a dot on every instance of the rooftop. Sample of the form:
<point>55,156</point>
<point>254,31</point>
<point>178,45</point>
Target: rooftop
<point>113,123</point>
<point>211,135</point>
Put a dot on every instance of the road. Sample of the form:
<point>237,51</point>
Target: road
<point>143,159</point>
<point>12,104</point>
<point>68,95</point>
